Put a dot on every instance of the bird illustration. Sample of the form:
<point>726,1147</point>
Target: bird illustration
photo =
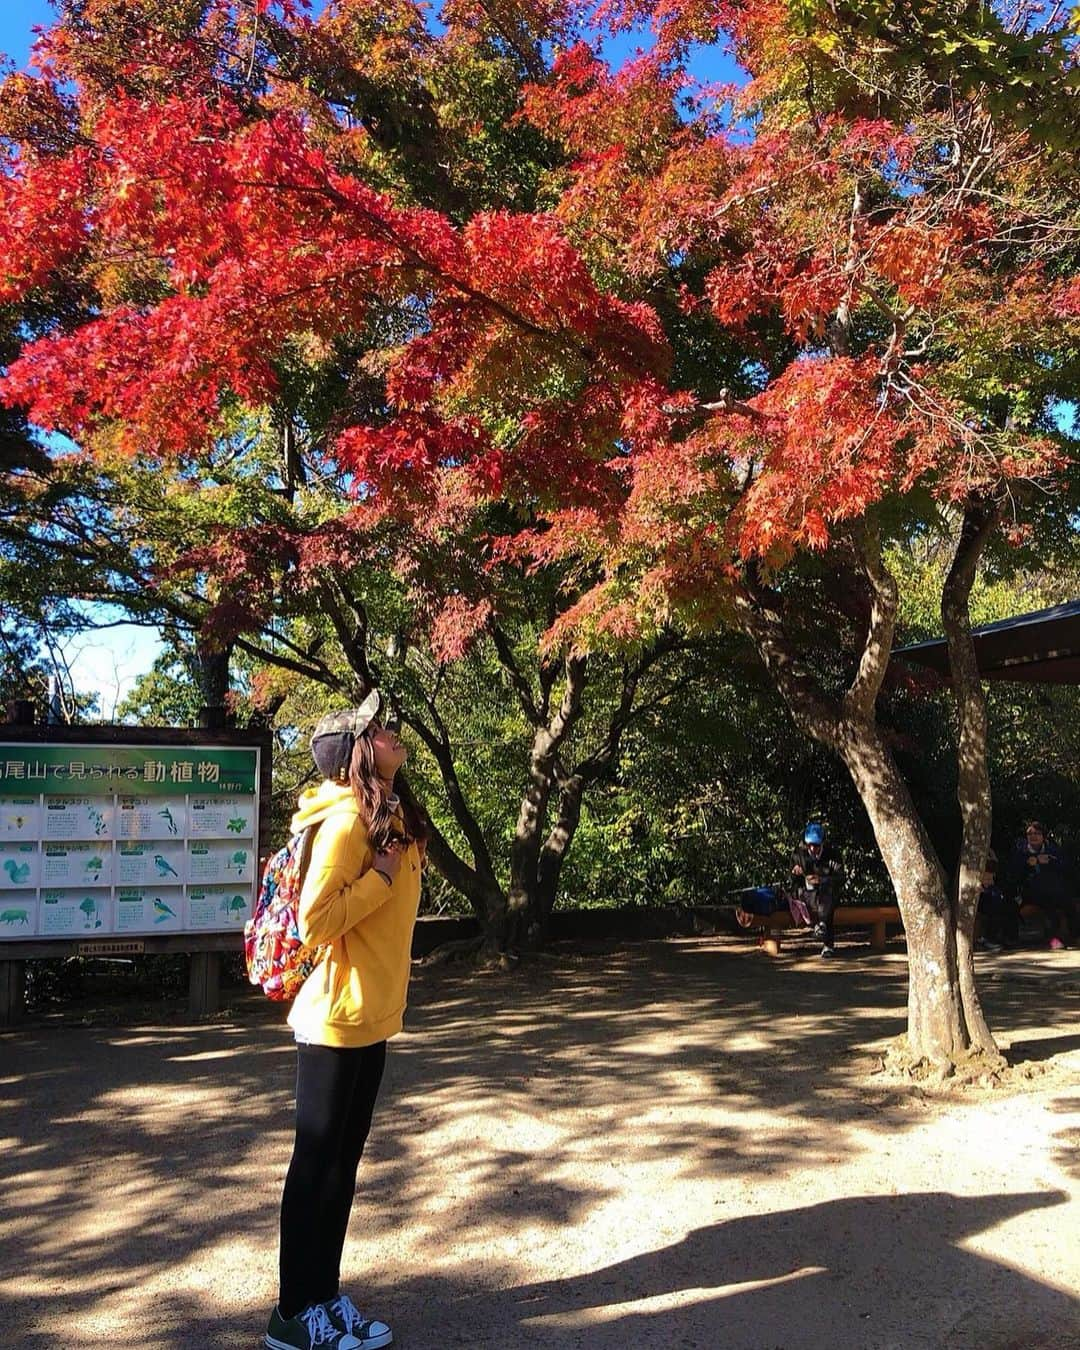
<point>164,867</point>
<point>16,871</point>
<point>162,910</point>
<point>168,817</point>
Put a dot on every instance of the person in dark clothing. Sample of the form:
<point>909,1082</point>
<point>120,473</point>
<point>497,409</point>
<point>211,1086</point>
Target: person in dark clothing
<point>1038,874</point>
<point>999,914</point>
<point>816,870</point>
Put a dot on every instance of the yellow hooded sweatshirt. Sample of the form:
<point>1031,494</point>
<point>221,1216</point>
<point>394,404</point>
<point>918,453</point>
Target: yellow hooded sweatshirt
<point>356,994</point>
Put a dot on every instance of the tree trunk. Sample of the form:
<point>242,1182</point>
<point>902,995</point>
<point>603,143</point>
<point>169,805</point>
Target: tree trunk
<point>477,883</point>
<point>553,855</point>
<point>523,926</point>
<point>212,672</point>
<point>525,919</point>
<point>536,869</point>
<point>486,897</point>
<point>973,774</point>
<point>937,1029</point>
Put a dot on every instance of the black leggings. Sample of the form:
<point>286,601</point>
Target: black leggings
<point>335,1097</point>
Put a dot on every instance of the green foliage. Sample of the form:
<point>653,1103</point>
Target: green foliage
<point>22,673</point>
<point>712,795</point>
<point>968,48</point>
<point>166,696</point>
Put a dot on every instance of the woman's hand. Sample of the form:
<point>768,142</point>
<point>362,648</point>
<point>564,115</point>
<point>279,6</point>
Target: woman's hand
<point>388,862</point>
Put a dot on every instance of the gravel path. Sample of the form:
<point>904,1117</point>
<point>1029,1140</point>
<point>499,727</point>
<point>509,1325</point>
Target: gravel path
<point>677,1144</point>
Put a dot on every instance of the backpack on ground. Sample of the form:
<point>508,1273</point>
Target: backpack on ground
<point>277,959</point>
<point>761,900</point>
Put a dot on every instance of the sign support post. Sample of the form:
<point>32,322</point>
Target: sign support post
<point>12,992</point>
<point>204,984</point>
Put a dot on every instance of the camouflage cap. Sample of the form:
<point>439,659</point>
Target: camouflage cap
<point>349,721</point>
<point>332,740</point>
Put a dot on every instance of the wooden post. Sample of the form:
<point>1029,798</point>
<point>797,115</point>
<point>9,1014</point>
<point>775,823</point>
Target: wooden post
<point>204,986</point>
<point>12,992</point>
<point>877,935</point>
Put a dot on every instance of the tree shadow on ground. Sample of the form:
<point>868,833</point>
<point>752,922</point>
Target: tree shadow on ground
<point>819,1277</point>
<point>804,1277</point>
<point>1046,1048</point>
<point>142,1166</point>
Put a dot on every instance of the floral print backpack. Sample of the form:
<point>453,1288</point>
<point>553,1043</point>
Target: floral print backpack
<point>276,958</point>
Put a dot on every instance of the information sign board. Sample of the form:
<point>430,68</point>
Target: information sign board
<point>98,839</point>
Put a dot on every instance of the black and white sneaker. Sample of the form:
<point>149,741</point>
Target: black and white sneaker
<point>819,931</point>
<point>365,1332</point>
<point>308,1330</point>
<point>828,950</point>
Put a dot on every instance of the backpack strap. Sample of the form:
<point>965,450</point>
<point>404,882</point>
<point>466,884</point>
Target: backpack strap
<point>303,853</point>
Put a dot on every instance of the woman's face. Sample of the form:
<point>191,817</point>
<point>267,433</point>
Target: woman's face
<point>1035,838</point>
<point>389,751</point>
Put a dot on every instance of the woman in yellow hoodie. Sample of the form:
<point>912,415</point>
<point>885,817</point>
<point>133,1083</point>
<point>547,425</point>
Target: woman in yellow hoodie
<point>359,900</point>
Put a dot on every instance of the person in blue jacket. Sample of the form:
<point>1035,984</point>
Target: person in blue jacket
<point>816,870</point>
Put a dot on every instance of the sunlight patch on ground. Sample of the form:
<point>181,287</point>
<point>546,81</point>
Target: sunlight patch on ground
<point>743,1042</point>
<point>153,1100</point>
<point>659,1303</point>
<point>124,1042</point>
<point>206,1055</point>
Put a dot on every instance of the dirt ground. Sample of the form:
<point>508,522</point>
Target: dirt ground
<point>674,1144</point>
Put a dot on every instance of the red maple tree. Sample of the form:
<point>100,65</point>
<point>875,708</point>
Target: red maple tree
<point>871,236</point>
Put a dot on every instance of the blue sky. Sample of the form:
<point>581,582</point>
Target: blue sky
<point>17,19</point>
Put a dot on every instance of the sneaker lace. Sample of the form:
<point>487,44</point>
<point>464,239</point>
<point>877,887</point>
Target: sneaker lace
<point>346,1309</point>
<point>319,1327</point>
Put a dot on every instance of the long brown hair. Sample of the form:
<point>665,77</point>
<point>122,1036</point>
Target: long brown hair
<point>374,810</point>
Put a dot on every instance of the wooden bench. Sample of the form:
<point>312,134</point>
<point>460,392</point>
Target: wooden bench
<point>874,917</point>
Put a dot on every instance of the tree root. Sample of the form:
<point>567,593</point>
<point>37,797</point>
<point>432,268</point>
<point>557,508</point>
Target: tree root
<point>473,952</point>
<point>971,1068</point>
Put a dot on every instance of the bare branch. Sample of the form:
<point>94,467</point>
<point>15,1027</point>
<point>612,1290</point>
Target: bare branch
<point>518,682</point>
<point>862,694</point>
<point>813,710</point>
